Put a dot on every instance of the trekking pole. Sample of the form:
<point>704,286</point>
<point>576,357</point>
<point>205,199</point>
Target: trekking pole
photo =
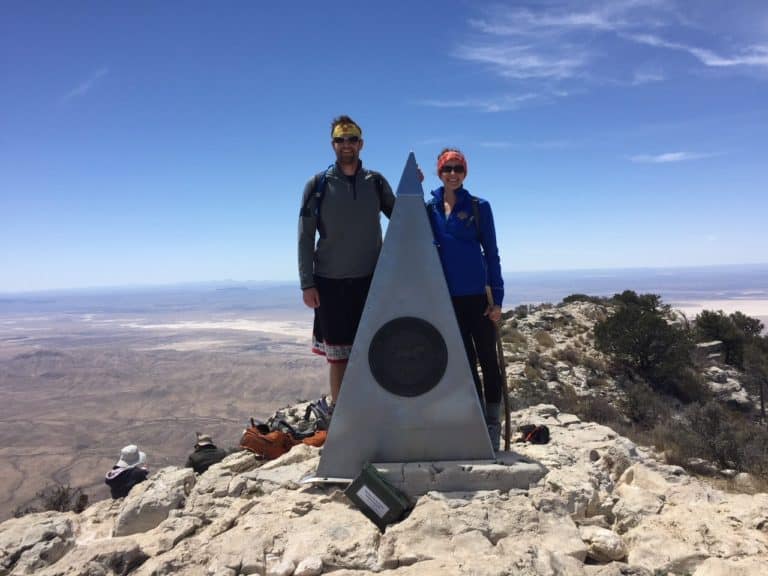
<point>502,373</point>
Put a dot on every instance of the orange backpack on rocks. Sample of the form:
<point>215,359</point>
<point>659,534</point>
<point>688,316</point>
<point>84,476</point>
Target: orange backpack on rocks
<point>269,444</point>
<point>317,439</point>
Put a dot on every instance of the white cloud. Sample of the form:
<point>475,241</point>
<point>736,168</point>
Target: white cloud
<point>600,17</point>
<point>500,104</point>
<point>756,55</point>
<point>523,62</point>
<point>646,77</point>
<point>557,43</point>
<point>668,157</point>
<point>84,87</point>
<point>552,43</point>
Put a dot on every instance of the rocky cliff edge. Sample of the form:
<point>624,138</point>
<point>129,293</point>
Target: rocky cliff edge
<point>604,507</point>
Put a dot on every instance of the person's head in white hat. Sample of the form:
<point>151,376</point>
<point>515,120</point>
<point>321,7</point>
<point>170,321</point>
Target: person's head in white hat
<point>203,440</point>
<point>130,457</point>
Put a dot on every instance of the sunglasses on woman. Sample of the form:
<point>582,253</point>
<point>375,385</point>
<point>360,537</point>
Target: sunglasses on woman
<point>456,169</point>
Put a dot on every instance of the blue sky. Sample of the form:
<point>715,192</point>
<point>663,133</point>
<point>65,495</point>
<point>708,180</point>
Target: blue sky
<point>149,142</point>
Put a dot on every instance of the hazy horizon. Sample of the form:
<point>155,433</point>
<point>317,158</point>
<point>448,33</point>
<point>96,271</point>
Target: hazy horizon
<point>721,270</point>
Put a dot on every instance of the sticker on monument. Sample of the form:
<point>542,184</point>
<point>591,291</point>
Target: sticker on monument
<point>372,501</point>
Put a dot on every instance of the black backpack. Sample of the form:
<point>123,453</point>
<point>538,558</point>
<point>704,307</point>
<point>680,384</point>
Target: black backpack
<point>317,417</point>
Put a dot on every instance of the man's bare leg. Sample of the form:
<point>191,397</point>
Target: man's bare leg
<point>337,375</point>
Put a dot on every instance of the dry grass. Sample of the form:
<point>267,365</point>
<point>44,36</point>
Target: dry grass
<point>543,338</point>
<point>512,335</point>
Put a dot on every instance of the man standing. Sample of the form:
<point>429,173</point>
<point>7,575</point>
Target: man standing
<point>340,209</point>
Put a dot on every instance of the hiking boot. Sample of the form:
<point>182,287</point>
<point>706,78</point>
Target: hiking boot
<point>493,423</point>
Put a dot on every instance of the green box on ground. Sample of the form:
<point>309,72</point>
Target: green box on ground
<point>381,502</point>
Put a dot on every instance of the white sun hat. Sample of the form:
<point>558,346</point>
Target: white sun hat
<point>130,456</point>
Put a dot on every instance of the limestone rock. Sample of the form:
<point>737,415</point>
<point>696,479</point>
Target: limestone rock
<point>114,556</point>
<point>149,503</point>
<point>605,507</point>
<point>603,545</point>
<point>728,567</point>
<point>279,567</point>
<point>310,566</point>
<point>30,543</point>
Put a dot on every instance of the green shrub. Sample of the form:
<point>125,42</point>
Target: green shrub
<point>691,387</point>
<point>529,393</point>
<point>521,311</point>
<point>569,355</point>
<point>639,338</point>
<point>56,498</point>
<point>598,409</point>
<point>718,434</point>
<point>532,374</point>
<point>595,364</point>
<point>552,374</point>
<point>643,406</point>
<point>512,335</point>
<point>712,432</point>
<point>534,359</point>
<point>735,331</point>
<point>583,298</point>
<point>597,382</point>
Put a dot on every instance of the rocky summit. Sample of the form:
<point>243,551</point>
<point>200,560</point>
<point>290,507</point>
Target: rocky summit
<point>591,502</point>
<point>604,507</point>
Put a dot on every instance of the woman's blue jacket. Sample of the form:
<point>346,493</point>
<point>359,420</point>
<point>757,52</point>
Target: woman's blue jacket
<point>468,252</point>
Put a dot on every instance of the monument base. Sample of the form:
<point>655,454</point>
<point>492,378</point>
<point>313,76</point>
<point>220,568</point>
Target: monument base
<point>509,471</point>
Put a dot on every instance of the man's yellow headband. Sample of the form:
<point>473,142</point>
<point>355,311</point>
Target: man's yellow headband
<point>342,130</point>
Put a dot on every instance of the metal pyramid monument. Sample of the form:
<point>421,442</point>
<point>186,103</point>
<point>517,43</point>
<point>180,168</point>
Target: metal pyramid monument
<point>408,393</point>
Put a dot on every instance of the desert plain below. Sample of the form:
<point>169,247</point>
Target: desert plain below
<point>77,385</point>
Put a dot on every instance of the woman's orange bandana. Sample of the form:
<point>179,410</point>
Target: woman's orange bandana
<point>452,157</point>
<point>343,130</point>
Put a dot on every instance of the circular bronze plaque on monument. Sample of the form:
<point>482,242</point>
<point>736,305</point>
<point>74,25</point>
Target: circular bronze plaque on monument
<point>407,356</point>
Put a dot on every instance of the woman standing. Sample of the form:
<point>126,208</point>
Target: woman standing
<point>466,241</point>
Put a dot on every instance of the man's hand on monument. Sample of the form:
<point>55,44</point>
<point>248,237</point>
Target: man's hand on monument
<point>311,297</point>
<point>493,313</point>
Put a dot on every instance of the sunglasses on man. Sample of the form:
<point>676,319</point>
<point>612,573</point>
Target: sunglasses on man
<point>456,169</point>
<point>346,140</point>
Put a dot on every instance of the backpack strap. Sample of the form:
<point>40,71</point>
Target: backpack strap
<point>432,204</point>
<point>476,214</point>
<point>318,191</point>
<point>378,180</point>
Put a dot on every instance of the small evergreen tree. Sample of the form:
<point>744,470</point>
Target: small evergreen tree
<point>56,498</point>
<point>756,368</point>
<point>735,331</point>
<point>641,339</point>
